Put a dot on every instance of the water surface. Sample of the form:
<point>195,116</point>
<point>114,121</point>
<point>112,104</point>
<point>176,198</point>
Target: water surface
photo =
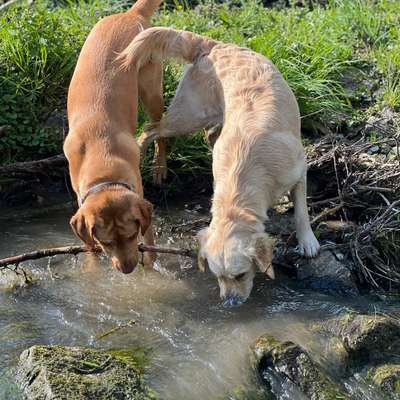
<point>197,349</point>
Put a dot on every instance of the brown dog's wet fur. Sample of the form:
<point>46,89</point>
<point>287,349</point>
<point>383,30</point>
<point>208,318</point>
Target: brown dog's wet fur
<point>100,147</point>
<point>114,221</point>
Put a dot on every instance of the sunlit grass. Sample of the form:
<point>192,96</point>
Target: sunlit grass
<point>315,51</point>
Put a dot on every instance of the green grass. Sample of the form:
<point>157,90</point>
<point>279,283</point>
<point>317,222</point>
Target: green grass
<point>316,51</point>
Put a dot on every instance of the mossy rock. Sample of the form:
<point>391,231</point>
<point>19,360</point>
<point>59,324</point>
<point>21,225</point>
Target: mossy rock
<point>365,337</point>
<point>240,392</point>
<point>70,373</point>
<point>290,361</point>
<point>387,378</point>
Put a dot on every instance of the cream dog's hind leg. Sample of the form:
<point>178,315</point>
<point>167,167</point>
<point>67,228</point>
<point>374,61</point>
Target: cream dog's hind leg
<point>308,244</point>
<point>193,107</point>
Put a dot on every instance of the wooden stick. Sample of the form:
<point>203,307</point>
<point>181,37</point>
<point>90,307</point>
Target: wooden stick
<point>34,255</point>
<point>9,3</point>
<point>327,212</point>
<point>34,167</point>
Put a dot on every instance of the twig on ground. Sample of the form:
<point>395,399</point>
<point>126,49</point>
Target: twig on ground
<point>10,2</point>
<point>362,186</point>
<point>327,212</point>
<point>34,167</point>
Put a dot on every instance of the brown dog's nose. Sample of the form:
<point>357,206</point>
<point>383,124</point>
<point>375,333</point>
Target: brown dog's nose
<point>125,267</point>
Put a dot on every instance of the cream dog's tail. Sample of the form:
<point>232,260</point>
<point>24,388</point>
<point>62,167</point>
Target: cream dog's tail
<point>162,43</point>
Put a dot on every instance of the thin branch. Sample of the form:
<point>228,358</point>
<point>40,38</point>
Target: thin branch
<point>10,2</point>
<point>35,255</point>
<point>34,167</point>
<point>327,212</point>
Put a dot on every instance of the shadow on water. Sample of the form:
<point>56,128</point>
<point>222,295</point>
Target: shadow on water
<point>198,350</point>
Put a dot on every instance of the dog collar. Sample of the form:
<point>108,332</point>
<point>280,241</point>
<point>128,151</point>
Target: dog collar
<point>100,186</point>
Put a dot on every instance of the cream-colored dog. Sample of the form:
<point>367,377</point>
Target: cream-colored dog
<point>257,158</point>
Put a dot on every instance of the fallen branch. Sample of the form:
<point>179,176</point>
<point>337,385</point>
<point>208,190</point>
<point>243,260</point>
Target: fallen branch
<point>34,167</point>
<point>117,328</point>
<point>4,128</point>
<point>35,255</point>
<point>327,212</point>
<point>11,2</point>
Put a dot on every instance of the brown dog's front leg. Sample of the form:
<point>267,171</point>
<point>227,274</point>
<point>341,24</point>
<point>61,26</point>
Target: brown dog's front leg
<point>149,257</point>
<point>160,161</point>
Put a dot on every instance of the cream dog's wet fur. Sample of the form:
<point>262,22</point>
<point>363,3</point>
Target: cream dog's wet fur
<point>257,158</point>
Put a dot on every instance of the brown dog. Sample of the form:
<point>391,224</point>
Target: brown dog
<point>102,153</point>
<point>257,157</point>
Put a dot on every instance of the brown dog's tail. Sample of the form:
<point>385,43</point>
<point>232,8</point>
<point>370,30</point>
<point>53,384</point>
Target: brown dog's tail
<point>146,8</point>
<point>162,43</point>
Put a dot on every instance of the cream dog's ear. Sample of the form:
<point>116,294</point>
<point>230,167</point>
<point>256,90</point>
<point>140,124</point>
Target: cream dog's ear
<point>261,251</point>
<point>202,262</point>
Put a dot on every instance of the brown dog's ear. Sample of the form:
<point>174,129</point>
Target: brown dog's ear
<point>83,228</point>
<point>144,215</point>
<point>262,247</point>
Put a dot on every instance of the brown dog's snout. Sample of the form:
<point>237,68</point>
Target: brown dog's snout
<point>126,267</point>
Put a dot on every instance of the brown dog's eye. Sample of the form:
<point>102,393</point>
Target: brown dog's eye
<point>240,276</point>
<point>132,237</point>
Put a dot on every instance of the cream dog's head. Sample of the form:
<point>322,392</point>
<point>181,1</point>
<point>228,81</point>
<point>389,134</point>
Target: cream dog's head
<point>113,220</point>
<point>234,260</point>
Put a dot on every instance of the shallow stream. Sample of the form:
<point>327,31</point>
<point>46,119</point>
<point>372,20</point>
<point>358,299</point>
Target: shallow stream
<point>197,350</point>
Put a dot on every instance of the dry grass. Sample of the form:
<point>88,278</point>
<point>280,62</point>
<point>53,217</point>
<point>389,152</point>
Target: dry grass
<point>359,182</point>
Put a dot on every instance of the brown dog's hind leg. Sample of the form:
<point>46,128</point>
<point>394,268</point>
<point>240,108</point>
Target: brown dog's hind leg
<point>150,92</point>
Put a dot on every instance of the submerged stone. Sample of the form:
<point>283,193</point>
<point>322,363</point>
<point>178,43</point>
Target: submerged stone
<point>387,378</point>
<point>289,361</point>
<point>364,337</point>
<point>71,373</point>
<point>244,393</point>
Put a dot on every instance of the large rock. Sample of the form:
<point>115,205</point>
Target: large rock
<point>70,373</point>
<point>328,273</point>
<point>290,361</point>
<point>387,378</point>
<point>364,337</point>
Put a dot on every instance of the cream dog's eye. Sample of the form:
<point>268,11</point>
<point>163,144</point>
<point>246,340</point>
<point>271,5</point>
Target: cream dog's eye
<point>240,276</point>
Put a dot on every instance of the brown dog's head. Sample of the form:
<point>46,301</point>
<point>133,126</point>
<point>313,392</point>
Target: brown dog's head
<point>234,260</point>
<point>113,220</point>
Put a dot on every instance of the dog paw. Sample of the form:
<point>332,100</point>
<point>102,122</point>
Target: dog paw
<point>308,245</point>
<point>159,174</point>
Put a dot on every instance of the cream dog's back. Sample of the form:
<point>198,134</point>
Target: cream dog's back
<point>259,145</point>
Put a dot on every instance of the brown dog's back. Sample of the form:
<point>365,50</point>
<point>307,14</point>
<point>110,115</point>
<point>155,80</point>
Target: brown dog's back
<point>96,70</point>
